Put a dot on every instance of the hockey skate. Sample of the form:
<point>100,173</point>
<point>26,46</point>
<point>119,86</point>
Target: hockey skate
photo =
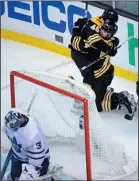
<point>127,103</point>
<point>110,89</point>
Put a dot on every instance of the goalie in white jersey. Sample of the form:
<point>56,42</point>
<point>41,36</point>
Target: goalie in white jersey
<point>30,158</point>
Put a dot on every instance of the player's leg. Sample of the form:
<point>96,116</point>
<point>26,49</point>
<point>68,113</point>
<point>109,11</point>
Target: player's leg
<point>107,99</point>
<point>100,87</point>
<point>81,60</point>
<point>16,169</point>
<point>46,171</point>
<point>113,100</point>
<point>45,165</point>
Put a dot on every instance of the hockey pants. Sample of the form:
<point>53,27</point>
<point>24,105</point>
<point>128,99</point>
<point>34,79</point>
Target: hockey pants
<point>16,167</point>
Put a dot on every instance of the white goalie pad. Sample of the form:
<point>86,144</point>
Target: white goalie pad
<point>30,173</point>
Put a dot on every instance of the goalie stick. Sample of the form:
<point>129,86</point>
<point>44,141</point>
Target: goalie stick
<point>6,163</point>
<point>83,68</point>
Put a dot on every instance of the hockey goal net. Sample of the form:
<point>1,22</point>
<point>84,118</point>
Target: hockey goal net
<point>91,152</point>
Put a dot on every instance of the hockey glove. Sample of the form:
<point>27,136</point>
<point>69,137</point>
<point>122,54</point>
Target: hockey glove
<point>78,25</point>
<point>112,51</point>
<point>115,41</point>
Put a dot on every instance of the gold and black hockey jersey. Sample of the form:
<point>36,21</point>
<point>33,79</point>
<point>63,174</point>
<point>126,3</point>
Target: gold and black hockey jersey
<point>91,43</point>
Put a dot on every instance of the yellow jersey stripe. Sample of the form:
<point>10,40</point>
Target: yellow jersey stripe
<point>73,41</point>
<point>99,75</point>
<point>78,48</point>
<point>103,102</point>
<point>109,101</point>
<point>95,40</point>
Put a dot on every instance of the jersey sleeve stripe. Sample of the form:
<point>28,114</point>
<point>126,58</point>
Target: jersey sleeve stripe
<point>103,71</point>
<point>105,67</point>
<point>75,43</point>
<point>40,154</point>
<point>95,40</point>
<point>17,157</point>
<point>78,43</point>
<point>47,151</point>
<point>93,37</point>
<point>36,158</point>
<point>36,152</point>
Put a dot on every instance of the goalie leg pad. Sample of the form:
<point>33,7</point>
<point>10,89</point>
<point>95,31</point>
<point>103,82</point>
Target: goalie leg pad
<point>29,172</point>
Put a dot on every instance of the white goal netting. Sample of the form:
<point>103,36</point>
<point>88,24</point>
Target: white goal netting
<point>108,159</point>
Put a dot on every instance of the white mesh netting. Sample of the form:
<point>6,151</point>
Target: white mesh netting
<point>53,110</point>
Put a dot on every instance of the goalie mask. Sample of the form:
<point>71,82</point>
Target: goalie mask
<point>14,119</point>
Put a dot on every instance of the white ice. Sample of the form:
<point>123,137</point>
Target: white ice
<point>16,56</point>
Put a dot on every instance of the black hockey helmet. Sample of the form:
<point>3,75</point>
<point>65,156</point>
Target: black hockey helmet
<point>110,28</point>
<point>111,15</point>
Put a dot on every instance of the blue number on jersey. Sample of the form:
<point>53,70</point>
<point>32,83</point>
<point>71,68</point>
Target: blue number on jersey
<point>39,145</point>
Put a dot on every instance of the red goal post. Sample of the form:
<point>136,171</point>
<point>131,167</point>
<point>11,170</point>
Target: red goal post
<point>14,74</point>
<point>101,156</point>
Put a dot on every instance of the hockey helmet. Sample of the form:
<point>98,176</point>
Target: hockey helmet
<point>110,28</point>
<point>110,14</point>
<point>14,119</point>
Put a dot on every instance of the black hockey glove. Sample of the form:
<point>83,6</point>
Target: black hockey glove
<point>137,88</point>
<point>115,41</point>
<point>78,25</point>
<point>113,50</point>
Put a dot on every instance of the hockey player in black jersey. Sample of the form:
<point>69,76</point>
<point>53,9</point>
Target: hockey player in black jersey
<point>91,40</point>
